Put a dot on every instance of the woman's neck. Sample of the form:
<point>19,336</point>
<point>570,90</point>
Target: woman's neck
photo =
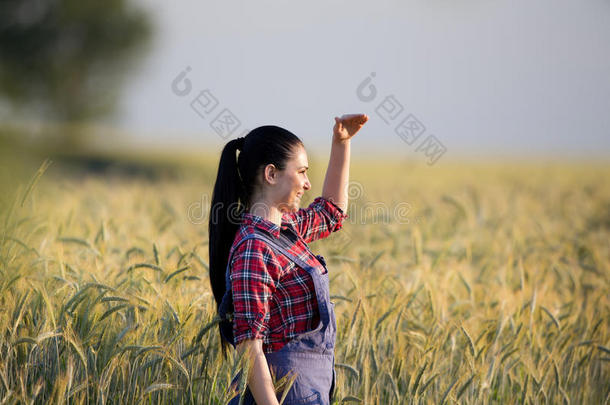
<point>266,211</point>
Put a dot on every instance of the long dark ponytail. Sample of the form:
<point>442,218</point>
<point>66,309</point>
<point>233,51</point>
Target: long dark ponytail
<point>237,179</point>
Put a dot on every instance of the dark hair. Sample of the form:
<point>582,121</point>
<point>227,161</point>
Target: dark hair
<point>236,182</point>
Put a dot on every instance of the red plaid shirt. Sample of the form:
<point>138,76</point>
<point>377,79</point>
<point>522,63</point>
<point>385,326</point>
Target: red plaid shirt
<point>273,298</point>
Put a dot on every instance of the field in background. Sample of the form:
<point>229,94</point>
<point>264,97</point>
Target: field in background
<point>458,283</point>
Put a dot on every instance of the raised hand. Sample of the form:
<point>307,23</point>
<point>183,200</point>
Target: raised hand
<point>347,126</point>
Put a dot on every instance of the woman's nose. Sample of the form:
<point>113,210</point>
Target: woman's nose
<point>307,185</point>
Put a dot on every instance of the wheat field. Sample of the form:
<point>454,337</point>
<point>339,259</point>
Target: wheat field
<point>460,283</point>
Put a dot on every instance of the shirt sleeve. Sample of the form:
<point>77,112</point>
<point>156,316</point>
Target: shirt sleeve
<point>317,221</point>
<point>254,275</point>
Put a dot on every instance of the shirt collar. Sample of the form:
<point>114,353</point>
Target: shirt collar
<point>262,223</point>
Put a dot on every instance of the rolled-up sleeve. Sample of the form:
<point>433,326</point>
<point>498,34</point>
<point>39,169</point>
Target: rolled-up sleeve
<point>317,221</point>
<point>254,276</point>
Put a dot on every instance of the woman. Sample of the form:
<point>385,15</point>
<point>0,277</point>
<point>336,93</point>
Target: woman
<point>271,290</point>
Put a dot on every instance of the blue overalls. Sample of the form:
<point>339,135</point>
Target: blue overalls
<point>311,355</point>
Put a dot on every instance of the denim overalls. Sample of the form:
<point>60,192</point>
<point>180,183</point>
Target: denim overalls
<point>311,354</point>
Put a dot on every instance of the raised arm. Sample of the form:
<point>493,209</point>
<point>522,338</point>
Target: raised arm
<point>337,174</point>
<point>326,213</point>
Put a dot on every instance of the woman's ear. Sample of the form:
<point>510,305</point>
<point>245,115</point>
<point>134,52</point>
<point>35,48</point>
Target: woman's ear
<point>270,173</point>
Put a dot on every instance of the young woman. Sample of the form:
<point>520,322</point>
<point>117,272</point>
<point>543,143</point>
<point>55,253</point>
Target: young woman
<point>271,290</point>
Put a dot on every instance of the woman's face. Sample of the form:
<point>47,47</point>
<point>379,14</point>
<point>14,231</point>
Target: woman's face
<point>292,182</point>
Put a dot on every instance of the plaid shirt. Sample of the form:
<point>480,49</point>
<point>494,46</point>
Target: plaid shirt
<point>273,298</point>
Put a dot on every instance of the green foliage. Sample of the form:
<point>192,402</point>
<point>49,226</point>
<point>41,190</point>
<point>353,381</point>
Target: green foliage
<point>63,60</point>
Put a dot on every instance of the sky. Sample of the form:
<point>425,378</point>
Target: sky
<point>482,77</point>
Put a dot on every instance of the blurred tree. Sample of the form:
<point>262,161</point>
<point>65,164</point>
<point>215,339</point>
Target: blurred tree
<point>63,60</point>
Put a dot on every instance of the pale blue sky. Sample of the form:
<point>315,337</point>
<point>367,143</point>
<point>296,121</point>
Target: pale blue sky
<point>485,77</point>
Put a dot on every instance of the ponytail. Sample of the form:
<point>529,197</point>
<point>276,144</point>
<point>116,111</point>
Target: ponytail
<point>221,229</point>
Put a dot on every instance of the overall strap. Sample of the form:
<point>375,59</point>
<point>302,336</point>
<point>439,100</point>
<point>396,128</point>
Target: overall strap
<point>279,245</point>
